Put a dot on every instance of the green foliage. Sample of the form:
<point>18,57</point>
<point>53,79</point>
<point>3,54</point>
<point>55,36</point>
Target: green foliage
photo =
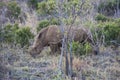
<point>58,76</point>
<point>23,35</point>
<point>68,7</point>
<point>9,33</point>
<point>14,34</point>
<point>108,7</point>
<point>14,10</point>
<point>110,30</point>
<point>2,4</point>
<point>101,17</point>
<point>42,7</point>
<point>42,24</point>
<point>64,10</point>
<point>54,21</point>
<point>80,49</point>
<point>33,4</point>
<point>45,23</point>
<point>46,7</point>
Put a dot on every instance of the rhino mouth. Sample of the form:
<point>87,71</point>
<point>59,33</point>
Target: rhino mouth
<point>32,52</point>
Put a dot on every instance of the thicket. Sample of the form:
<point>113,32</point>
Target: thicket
<point>102,18</point>
<point>23,36</point>
<point>14,35</point>
<point>107,29</point>
<point>109,7</point>
<point>47,7</point>
<point>33,4</point>
<point>80,49</point>
<point>11,10</point>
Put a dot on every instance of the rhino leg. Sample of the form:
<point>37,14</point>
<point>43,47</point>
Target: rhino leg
<point>55,48</point>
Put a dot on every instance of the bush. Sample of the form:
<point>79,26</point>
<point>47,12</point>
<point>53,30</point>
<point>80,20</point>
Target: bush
<point>23,35</point>
<point>42,24</point>
<point>54,21</point>
<point>108,7</point>
<point>9,33</point>
<point>2,4</point>
<point>80,49</point>
<point>110,30</point>
<point>33,4</point>
<point>13,11</point>
<point>15,35</point>
<point>46,7</point>
<point>101,17</point>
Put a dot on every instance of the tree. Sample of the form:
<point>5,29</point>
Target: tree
<point>70,11</point>
<point>67,12</point>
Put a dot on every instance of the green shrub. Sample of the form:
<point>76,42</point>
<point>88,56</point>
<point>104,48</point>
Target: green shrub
<point>110,30</point>
<point>51,6</point>
<point>42,7</point>
<point>42,24</point>
<point>46,7</point>
<point>54,21</point>
<point>13,11</point>
<point>9,33</point>
<point>80,49</point>
<point>15,35</point>
<point>33,4</point>
<point>23,35</point>
<point>108,7</point>
<point>2,4</point>
<point>101,17</point>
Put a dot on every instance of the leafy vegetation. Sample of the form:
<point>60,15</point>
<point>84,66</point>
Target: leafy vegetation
<point>2,4</point>
<point>42,24</point>
<point>46,7</point>
<point>13,11</point>
<point>109,31</point>
<point>23,35</point>
<point>33,4</point>
<point>108,7</point>
<point>80,49</point>
<point>14,34</point>
<point>9,33</point>
<point>101,17</point>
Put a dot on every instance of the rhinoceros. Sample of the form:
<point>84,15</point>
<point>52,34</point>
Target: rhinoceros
<point>52,36</point>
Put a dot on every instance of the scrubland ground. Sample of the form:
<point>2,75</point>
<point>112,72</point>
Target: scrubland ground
<point>17,64</point>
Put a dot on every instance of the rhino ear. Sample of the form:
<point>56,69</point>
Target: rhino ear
<point>44,30</point>
<point>39,35</point>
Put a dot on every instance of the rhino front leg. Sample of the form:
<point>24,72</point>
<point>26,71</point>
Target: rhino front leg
<point>55,48</point>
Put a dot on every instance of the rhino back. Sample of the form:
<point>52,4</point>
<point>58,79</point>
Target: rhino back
<point>53,34</point>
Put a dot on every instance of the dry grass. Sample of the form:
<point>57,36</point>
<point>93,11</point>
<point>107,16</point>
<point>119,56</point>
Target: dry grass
<point>19,65</point>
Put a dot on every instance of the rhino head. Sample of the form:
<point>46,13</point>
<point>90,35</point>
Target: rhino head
<point>38,44</point>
